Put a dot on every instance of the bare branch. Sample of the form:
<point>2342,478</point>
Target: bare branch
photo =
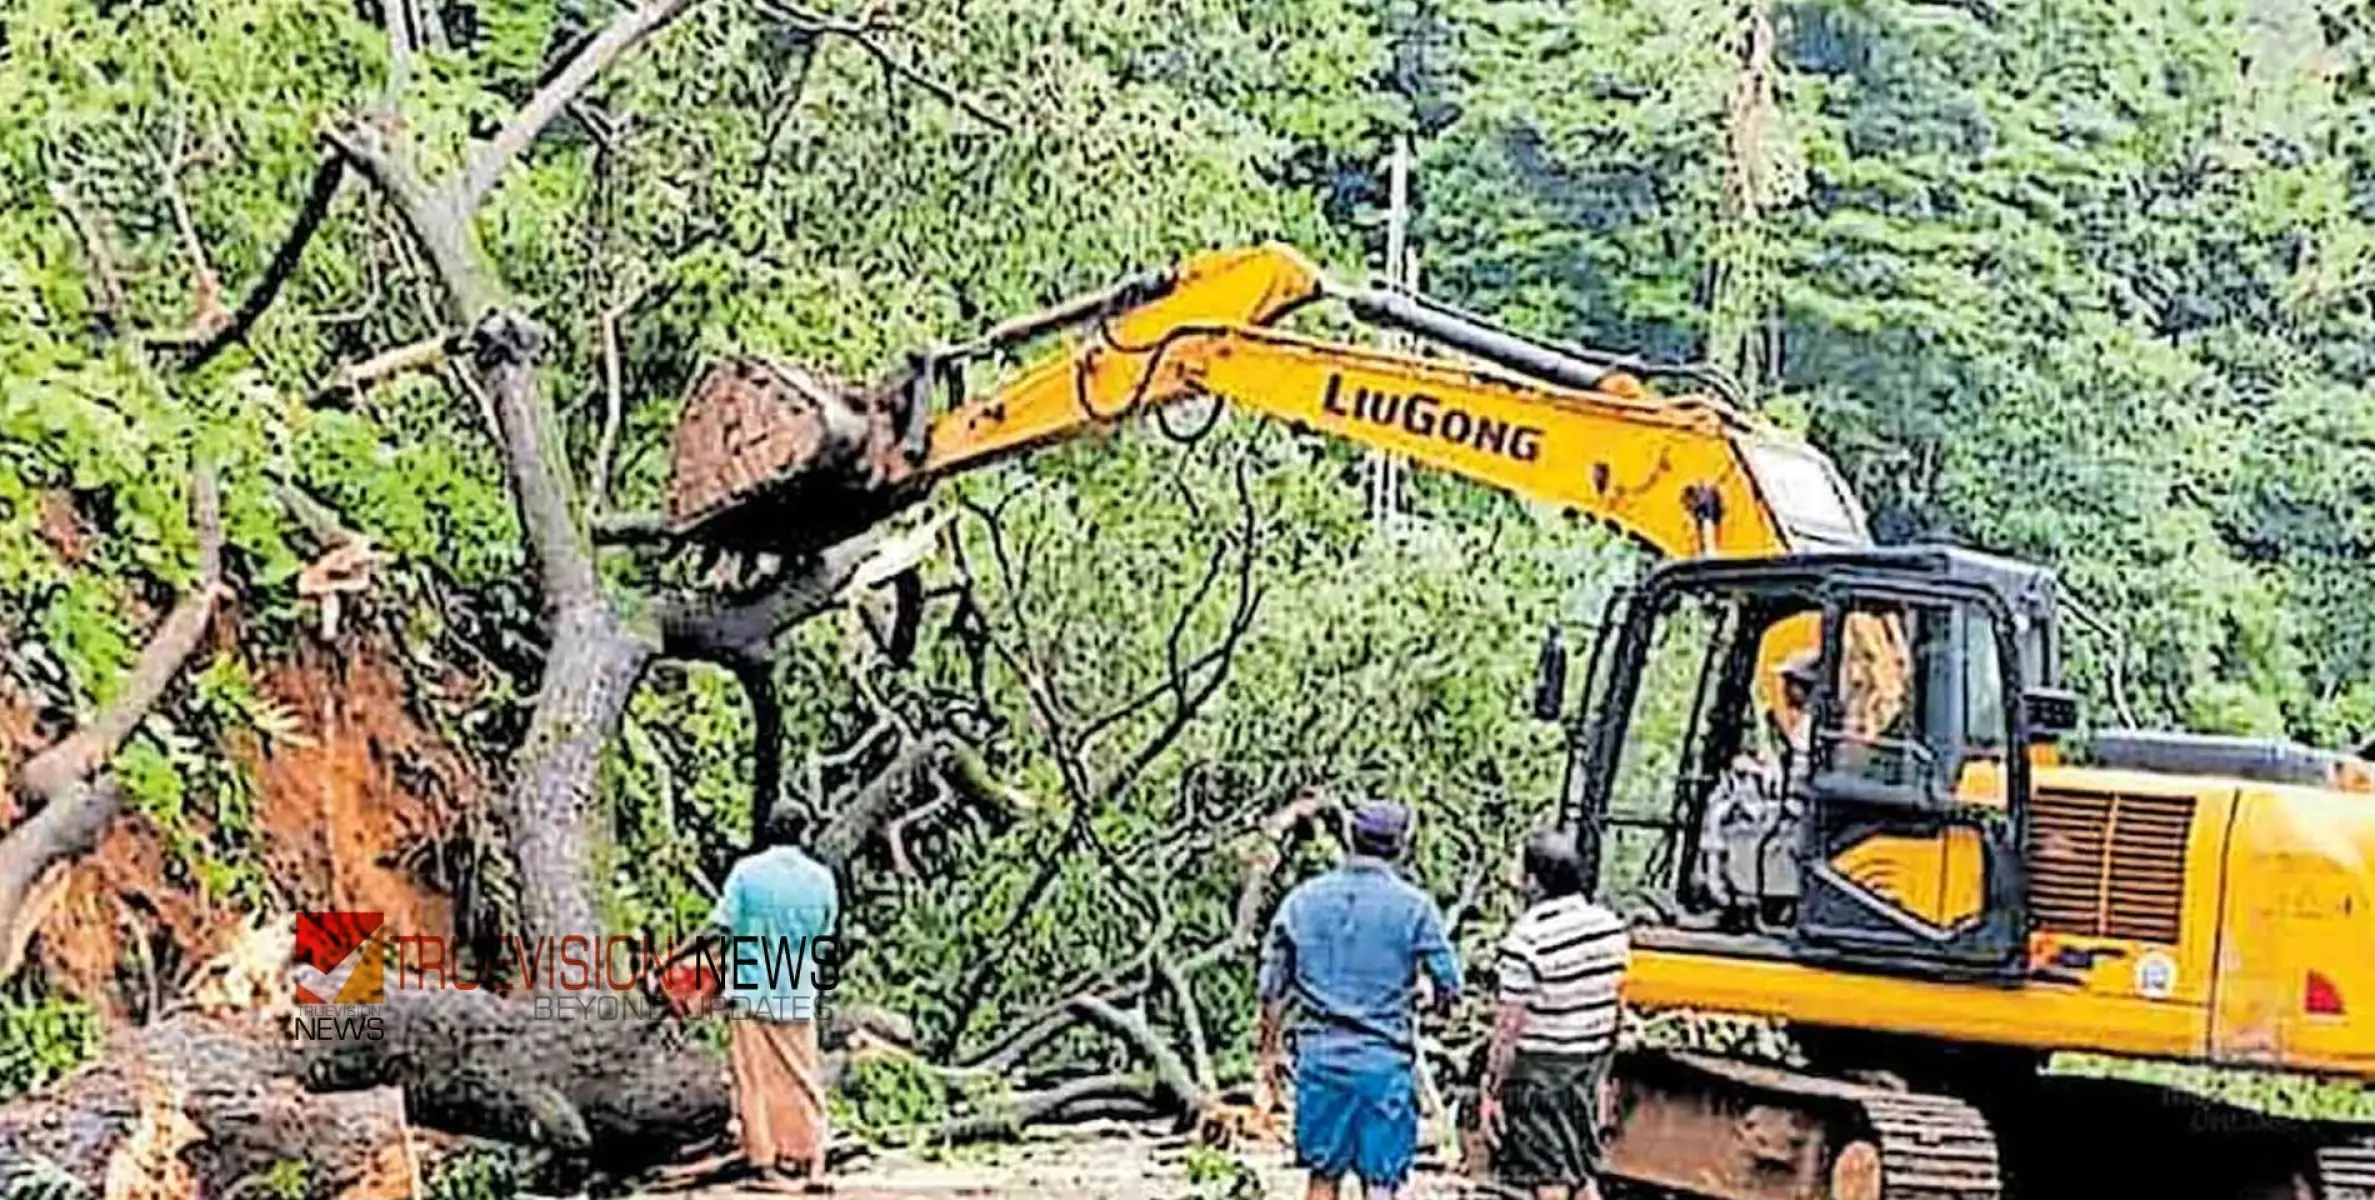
<point>624,34</point>
<point>862,32</point>
<point>352,379</point>
<point>107,281</point>
<point>613,404</point>
<point>326,179</point>
<point>1171,1075</point>
<point>1187,701</point>
<point>1191,1021</point>
<point>78,802</point>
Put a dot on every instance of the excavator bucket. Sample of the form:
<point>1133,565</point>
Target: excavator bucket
<point>780,458</point>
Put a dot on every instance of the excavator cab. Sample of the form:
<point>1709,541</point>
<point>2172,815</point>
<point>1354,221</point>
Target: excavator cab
<point>1879,826</point>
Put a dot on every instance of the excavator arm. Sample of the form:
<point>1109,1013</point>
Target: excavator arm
<point>1689,476</point>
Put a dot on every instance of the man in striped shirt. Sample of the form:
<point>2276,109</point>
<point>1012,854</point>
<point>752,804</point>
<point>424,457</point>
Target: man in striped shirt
<point>1561,970</point>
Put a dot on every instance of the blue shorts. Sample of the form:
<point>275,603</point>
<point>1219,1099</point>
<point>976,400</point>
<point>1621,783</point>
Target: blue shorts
<point>1359,1118</point>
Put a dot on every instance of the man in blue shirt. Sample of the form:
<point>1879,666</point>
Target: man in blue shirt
<point>774,928</point>
<point>1347,949</point>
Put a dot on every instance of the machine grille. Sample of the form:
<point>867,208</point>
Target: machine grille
<point>2108,865</point>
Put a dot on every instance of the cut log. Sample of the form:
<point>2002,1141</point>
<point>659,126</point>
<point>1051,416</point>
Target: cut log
<point>780,459</point>
<point>199,1106</point>
<point>601,1076</point>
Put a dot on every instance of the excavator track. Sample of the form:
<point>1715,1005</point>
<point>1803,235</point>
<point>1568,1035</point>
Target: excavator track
<point>2346,1171</point>
<point>1932,1148</point>
<point>1702,1126</point>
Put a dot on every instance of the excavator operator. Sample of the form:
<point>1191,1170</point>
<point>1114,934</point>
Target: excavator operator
<point>1748,835</point>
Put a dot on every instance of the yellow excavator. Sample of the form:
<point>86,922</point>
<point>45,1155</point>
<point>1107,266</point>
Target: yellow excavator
<point>1917,857</point>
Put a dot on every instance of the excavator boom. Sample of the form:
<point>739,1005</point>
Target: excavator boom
<point>1690,475</point>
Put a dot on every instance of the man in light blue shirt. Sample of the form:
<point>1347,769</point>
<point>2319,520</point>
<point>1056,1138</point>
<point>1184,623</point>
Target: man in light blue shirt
<point>775,917</point>
<point>776,914</point>
<point>1346,949</point>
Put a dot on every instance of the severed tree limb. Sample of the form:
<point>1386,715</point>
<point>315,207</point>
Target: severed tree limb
<point>1007,1121</point>
<point>78,801</point>
<point>1172,1081</point>
<point>1191,1020</point>
<point>318,197</point>
<point>351,379</point>
<point>712,631</point>
<point>623,34</point>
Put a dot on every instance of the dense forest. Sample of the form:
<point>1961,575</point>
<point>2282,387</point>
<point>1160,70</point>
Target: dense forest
<point>2085,281</point>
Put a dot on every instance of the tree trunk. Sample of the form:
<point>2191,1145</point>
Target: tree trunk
<point>200,1106</point>
<point>599,1074</point>
<point>589,676</point>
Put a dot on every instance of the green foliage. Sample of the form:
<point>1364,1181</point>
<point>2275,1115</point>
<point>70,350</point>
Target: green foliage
<point>284,1180</point>
<point>1219,1175</point>
<point>478,1173</point>
<point>880,1095</point>
<point>41,1039</point>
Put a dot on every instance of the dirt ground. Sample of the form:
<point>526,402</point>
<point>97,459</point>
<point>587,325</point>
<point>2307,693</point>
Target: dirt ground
<point>1106,1162</point>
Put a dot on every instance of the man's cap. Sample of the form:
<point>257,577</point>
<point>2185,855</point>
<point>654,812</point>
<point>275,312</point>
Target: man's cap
<point>1381,820</point>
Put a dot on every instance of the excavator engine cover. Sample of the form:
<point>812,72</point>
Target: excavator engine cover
<point>778,458</point>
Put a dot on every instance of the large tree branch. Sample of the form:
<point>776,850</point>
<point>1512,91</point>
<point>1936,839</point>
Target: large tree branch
<point>1006,1121</point>
<point>318,198</point>
<point>492,159</point>
<point>504,350</point>
<point>429,218</point>
<point>77,801</point>
<point>1171,1075</point>
<point>716,632</point>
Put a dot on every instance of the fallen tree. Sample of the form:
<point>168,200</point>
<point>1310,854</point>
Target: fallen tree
<point>211,1099</point>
